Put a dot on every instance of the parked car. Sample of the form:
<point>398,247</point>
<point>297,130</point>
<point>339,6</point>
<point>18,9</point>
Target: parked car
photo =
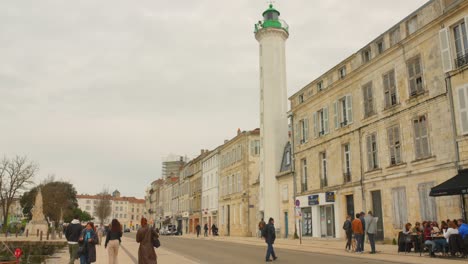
<point>126,230</point>
<point>168,230</point>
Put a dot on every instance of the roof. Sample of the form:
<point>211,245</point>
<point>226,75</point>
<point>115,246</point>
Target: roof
<point>453,186</point>
<point>97,197</point>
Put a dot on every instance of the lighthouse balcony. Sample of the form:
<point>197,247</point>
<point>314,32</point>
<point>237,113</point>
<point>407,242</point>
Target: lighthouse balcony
<point>280,24</point>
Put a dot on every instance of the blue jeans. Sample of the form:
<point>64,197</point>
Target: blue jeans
<point>358,238</point>
<point>270,251</point>
<point>372,242</point>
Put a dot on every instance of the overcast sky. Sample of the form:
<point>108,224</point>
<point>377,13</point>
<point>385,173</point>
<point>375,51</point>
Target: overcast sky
<point>97,92</point>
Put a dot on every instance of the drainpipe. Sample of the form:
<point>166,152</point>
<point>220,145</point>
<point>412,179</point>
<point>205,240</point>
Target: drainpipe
<point>361,181</point>
<point>293,171</point>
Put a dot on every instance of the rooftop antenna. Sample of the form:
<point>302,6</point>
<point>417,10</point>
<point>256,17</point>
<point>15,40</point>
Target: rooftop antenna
<point>271,2</point>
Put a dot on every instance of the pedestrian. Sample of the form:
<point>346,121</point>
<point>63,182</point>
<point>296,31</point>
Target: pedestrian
<point>88,241</point>
<point>270,236</point>
<point>205,228</point>
<point>349,232</point>
<point>214,230</point>
<point>100,233</point>
<point>358,231</point>
<point>144,236</point>
<point>371,229</point>
<point>361,217</point>
<point>198,229</point>
<point>261,225</point>
<point>113,240</point>
<point>72,234</point>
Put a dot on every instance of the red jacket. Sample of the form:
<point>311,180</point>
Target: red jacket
<point>356,226</point>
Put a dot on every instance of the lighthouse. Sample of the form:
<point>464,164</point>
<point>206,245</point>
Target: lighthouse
<point>271,34</point>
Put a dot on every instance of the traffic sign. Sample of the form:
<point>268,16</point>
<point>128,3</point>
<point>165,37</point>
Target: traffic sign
<point>298,203</point>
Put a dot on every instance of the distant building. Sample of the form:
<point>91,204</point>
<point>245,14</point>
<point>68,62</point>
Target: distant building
<point>172,165</point>
<point>210,190</point>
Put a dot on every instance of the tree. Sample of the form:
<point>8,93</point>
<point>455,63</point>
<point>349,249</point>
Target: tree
<point>15,175</point>
<point>59,199</point>
<point>103,207</point>
<point>82,215</point>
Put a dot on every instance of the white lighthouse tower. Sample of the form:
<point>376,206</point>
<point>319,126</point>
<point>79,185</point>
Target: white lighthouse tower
<point>271,33</point>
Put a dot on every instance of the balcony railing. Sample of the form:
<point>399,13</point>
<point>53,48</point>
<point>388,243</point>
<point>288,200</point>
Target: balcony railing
<point>272,23</point>
<point>347,177</point>
<point>323,182</point>
<point>303,187</point>
<point>462,60</point>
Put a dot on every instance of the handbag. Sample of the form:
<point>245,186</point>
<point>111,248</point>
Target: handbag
<point>154,239</point>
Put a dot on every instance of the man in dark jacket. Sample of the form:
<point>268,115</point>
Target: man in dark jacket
<point>73,233</point>
<point>363,221</point>
<point>198,229</point>
<point>270,236</point>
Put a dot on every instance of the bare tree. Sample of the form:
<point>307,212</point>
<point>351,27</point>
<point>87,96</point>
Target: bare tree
<point>103,207</point>
<point>15,175</point>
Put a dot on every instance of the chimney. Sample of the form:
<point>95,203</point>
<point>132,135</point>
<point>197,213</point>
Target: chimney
<point>226,141</point>
<point>202,151</point>
<point>238,131</point>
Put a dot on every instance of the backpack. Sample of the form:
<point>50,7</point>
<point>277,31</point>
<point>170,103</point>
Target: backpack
<point>264,231</point>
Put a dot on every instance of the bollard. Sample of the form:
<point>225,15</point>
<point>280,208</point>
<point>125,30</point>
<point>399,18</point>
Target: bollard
<point>41,235</point>
<point>47,237</point>
<point>27,232</point>
<point>16,233</point>
<point>53,234</point>
<point>37,233</point>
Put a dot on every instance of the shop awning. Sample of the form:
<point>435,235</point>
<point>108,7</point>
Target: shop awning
<point>454,186</point>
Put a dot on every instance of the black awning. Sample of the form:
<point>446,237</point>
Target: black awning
<point>454,186</point>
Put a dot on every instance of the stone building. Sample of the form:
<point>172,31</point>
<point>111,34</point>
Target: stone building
<point>195,190</point>
<point>374,132</point>
<point>238,184</point>
<point>210,192</point>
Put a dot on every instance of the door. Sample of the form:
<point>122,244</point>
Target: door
<point>350,205</point>
<point>228,220</point>
<point>377,210</point>
<point>327,221</point>
<point>306,221</point>
<point>286,225</point>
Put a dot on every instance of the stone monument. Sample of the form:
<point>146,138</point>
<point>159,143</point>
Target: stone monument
<point>38,221</point>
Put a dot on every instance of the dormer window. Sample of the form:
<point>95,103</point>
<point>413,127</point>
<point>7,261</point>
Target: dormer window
<point>319,86</point>
<point>301,98</point>
<point>342,72</point>
<point>366,55</point>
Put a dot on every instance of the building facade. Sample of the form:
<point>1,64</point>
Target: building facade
<point>210,177</point>
<point>371,133</point>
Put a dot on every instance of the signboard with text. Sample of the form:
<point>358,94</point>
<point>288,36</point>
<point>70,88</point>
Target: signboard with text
<point>330,197</point>
<point>314,199</point>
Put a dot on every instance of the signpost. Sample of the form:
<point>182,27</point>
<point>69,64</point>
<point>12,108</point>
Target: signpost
<point>299,216</point>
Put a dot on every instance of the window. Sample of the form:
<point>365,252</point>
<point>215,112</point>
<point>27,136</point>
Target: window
<point>412,25</point>
<point>321,122</point>
<point>368,100</point>
<point>415,76</point>
<point>421,137</point>
<point>400,214</point>
<point>394,36</point>
<point>319,86</point>
<point>380,46</point>
<point>461,43</point>
<point>222,215</point>
<point>347,163</point>
<point>323,170</point>
<point>463,108</point>
<point>229,185</point>
<point>255,147</point>
<point>389,89</point>
<point>343,111</point>
<point>304,175</point>
<point>284,193</point>
<point>366,55</point>
<point>372,158</point>
<point>394,145</point>
<point>342,72</point>
<point>301,98</point>
<point>288,157</point>
<point>239,182</point>
<point>304,130</point>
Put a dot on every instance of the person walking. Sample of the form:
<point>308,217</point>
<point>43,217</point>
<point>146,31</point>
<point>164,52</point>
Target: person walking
<point>144,236</point>
<point>371,229</point>
<point>113,240</point>
<point>356,226</point>
<point>198,229</point>
<point>261,225</point>
<point>100,233</point>
<point>205,228</point>
<point>72,234</point>
<point>88,241</point>
<point>270,236</point>
<point>363,222</point>
<point>349,232</point>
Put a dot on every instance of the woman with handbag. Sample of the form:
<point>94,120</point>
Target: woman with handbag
<point>113,240</point>
<point>145,236</point>
<point>88,241</point>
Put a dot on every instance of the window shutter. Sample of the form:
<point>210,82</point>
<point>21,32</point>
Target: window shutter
<point>396,135</point>
<point>403,208</point>
<point>391,144</point>
<point>315,125</point>
<point>417,138</point>
<point>370,162</point>
<point>296,134</point>
<point>463,109</point>
<point>445,50</point>
<point>395,207</point>
<point>424,136</point>
<point>371,99</point>
<point>349,108</point>
<point>306,129</point>
<point>335,116</point>
<point>466,25</point>
<point>365,96</point>
<point>325,119</point>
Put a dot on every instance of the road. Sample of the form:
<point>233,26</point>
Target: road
<point>221,252</point>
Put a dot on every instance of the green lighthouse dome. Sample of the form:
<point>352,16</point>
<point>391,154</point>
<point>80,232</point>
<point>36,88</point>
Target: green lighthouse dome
<point>271,20</point>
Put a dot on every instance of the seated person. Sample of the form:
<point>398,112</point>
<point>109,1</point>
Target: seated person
<point>462,228</point>
<point>417,228</point>
<point>430,231</point>
<point>442,244</point>
<point>405,243</point>
<point>417,233</point>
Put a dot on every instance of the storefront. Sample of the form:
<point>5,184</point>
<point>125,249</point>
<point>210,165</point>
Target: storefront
<point>318,214</point>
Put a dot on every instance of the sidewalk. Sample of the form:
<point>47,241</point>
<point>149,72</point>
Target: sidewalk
<point>128,254</point>
<point>385,252</point>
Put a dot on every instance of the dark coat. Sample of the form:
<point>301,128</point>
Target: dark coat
<point>270,234</point>
<point>73,232</point>
<point>146,253</point>
<point>90,246</point>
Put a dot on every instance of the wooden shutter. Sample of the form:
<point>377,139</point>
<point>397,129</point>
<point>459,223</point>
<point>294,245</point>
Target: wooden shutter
<point>371,98</point>
<point>417,138</point>
<point>403,206</point>
<point>396,135</point>
<point>315,124</point>
<point>306,129</point>
<point>296,134</point>
<point>387,95</point>
<point>370,162</point>
<point>391,144</point>
<point>424,136</point>
<point>411,75</point>
<point>349,108</point>
<point>335,115</point>
<point>366,105</point>
<point>325,119</point>
<point>445,50</point>
<point>463,109</point>
<point>395,207</point>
